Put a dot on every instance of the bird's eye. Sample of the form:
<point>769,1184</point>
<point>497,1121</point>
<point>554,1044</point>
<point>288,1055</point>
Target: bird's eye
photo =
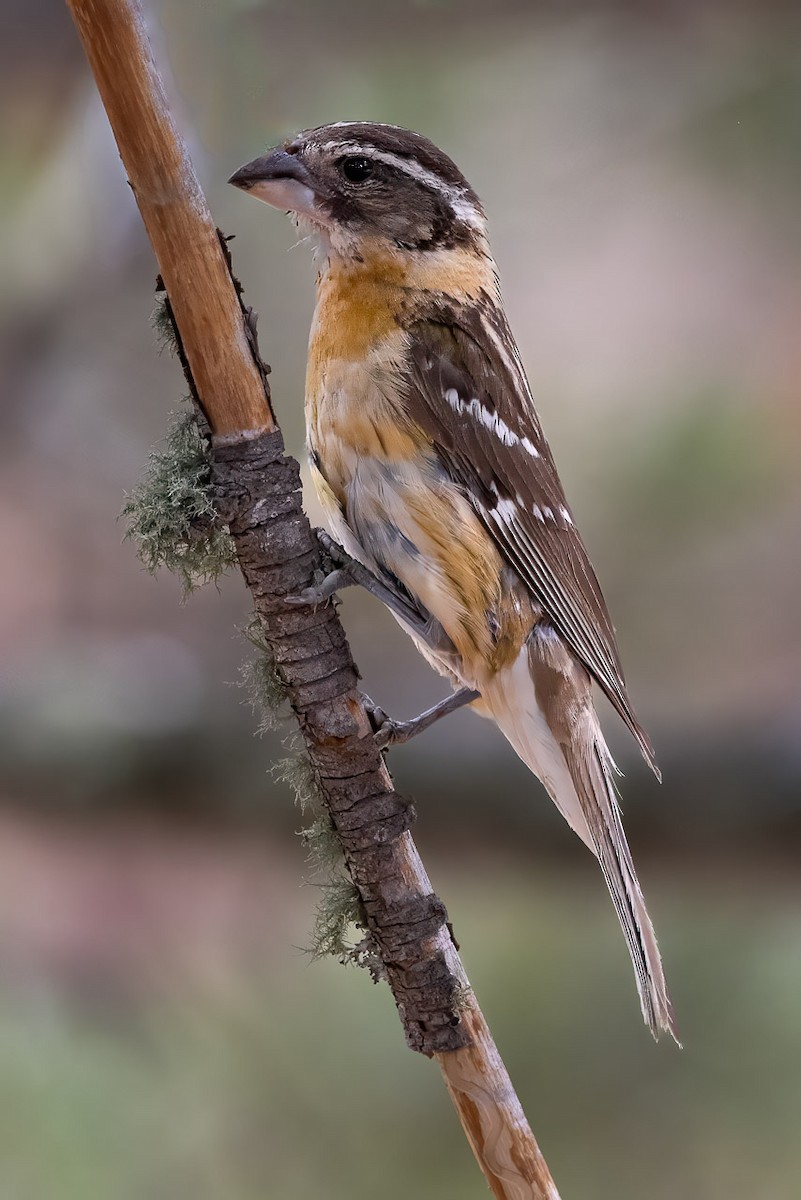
<point>356,169</point>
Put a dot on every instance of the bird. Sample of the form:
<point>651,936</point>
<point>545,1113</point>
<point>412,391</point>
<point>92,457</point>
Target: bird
<point>436,478</point>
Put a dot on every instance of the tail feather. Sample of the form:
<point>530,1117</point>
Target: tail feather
<point>543,704</point>
<point>591,767</point>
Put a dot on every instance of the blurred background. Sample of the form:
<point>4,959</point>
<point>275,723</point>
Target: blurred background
<point>162,1031</point>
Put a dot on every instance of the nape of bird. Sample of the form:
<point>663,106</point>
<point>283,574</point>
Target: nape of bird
<point>431,465</point>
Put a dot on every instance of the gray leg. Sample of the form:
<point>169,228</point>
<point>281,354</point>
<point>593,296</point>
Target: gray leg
<point>393,733</point>
<point>355,573</point>
<point>348,572</point>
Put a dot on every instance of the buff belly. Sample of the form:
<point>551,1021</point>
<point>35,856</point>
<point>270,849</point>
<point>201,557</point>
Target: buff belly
<point>422,533</point>
<point>390,502</point>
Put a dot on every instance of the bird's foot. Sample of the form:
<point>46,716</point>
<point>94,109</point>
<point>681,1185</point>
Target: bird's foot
<point>317,594</point>
<point>341,572</point>
<point>388,732</point>
<point>344,571</point>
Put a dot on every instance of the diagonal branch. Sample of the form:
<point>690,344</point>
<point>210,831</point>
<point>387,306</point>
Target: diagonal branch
<point>278,555</point>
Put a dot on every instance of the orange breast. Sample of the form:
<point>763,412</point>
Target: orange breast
<point>357,422</point>
<point>357,306</point>
<point>359,301</point>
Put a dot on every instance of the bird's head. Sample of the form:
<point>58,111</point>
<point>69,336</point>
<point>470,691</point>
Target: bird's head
<point>362,186</point>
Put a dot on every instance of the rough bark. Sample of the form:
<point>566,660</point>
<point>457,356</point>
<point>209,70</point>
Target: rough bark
<point>259,491</point>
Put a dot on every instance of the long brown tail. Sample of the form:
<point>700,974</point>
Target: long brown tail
<point>543,704</point>
<point>591,768</point>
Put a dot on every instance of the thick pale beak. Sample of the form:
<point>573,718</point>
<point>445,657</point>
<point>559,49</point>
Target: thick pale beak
<point>279,179</point>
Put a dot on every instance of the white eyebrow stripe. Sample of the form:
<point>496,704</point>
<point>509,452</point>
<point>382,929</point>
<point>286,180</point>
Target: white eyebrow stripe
<point>462,208</point>
<point>378,124</point>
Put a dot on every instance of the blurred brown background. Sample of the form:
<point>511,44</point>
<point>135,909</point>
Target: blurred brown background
<point>161,1032</point>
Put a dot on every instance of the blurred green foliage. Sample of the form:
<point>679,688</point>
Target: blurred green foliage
<point>711,462</point>
<point>640,166</point>
<point>295,1082</point>
<point>754,133</point>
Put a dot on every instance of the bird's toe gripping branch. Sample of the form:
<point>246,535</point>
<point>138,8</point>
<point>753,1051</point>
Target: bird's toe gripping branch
<point>313,597</point>
<point>344,572</point>
<point>347,572</point>
<point>393,733</point>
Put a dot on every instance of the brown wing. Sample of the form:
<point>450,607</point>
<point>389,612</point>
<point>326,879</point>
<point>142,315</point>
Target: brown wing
<point>467,390</point>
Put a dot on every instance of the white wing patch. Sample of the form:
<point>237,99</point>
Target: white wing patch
<point>490,420</point>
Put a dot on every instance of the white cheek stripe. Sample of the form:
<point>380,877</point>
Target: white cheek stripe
<point>490,421</point>
<point>462,208</point>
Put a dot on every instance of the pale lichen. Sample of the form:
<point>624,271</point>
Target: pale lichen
<point>172,517</point>
<point>339,908</point>
<point>171,514</point>
<point>163,324</point>
<point>261,680</point>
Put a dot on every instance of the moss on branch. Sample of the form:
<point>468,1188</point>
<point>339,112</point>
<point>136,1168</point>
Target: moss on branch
<point>171,514</point>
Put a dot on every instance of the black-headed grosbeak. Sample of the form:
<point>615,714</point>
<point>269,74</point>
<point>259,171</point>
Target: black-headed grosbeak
<point>430,462</point>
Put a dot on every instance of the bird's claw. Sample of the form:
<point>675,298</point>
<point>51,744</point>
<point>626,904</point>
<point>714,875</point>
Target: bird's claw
<point>386,731</point>
<point>317,594</point>
<point>393,733</point>
<point>378,720</point>
<point>310,597</point>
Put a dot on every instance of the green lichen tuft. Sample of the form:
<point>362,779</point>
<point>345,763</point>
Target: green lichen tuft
<point>171,515</point>
<point>297,770</point>
<point>322,843</point>
<point>162,322</point>
<point>339,909</point>
<point>264,688</point>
